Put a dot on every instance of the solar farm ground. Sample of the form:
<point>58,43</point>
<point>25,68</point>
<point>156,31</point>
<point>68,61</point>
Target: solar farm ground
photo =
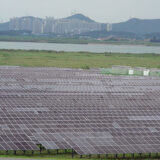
<point>45,156</point>
<point>49,110</point>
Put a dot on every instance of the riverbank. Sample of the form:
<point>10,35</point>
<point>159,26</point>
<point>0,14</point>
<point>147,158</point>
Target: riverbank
<point>82,60</point>
<point>74,40</point>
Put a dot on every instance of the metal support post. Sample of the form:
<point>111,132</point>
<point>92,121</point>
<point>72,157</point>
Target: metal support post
<point>72,153</point>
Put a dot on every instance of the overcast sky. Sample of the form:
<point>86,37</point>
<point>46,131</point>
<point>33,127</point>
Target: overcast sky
<point>100,10</point>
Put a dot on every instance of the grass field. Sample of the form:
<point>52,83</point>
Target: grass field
<point>76,59</point>
<point>68,156</point>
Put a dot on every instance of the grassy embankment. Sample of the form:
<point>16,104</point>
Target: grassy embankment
<point>76,59</point>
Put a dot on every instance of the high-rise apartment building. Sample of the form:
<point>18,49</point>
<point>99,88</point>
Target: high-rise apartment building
<point>26,23</point>
<point>51,25</point>
<point>48,25</point>
<point>109,27</point>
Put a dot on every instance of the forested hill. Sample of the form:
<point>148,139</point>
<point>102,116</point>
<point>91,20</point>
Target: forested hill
<point>4,26</point>
<point>140,26</point>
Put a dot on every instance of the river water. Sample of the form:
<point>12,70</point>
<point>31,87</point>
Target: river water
<point>95,48</point>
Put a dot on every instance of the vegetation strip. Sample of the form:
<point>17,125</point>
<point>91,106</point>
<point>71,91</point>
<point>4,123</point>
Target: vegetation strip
<point>82,60</point>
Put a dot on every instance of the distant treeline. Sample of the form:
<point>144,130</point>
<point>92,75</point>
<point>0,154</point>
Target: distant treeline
<point>155,40</point>
<point>15,33</point>
<point>88,35</point>
<point>116,37</point>
<point>103,34</point>
<point>43,39</point>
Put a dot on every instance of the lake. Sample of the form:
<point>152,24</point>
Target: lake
<point>95,48</point>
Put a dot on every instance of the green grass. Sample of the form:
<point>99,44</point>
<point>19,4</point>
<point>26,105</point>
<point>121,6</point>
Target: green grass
<point>77,157</point>
<point>62,156</point>
<point>76,59</point>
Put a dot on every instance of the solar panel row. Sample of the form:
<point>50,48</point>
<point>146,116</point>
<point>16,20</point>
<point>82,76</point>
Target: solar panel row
<point>78,109</point>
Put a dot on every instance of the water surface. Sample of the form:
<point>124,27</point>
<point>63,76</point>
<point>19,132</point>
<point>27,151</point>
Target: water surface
<point>95,48</point>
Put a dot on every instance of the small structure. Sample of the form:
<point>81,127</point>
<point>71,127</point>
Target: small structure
<point>139,71</point>
<point>131,72</point>
<point>146,72</point>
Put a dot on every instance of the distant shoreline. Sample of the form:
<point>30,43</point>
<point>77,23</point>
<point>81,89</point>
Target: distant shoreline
<point>89,43</point>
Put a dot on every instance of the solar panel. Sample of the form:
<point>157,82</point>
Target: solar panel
<point>16,142</point>
<point>78,109</point>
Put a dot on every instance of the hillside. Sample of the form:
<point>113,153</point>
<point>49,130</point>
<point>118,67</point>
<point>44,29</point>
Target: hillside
<point>80,17</point>
<point>127,28</point>
<point>140,26</point>
<point>4,26</point>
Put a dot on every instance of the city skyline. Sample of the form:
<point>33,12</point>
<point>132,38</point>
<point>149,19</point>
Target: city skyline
<point>74,24</point>
<point>103,11</point>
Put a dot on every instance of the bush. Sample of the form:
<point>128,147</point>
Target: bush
<point>86,67</point>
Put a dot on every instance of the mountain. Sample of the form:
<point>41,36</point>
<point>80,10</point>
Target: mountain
<point>130,28</point>
<point>4,26</point>
<point>80,17</point>
<point>140,26</point>
<point>30,18</point>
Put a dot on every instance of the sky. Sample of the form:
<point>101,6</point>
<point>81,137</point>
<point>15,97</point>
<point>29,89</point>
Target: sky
<point>106,11</point>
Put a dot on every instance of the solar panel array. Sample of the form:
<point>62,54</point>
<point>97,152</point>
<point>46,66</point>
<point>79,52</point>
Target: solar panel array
<point>78,109</point>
